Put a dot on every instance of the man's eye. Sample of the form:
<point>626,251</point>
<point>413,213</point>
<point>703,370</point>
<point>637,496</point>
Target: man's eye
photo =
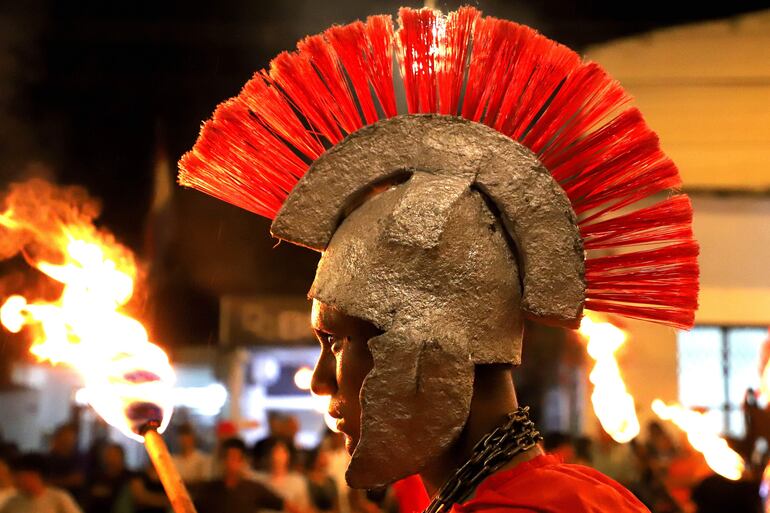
<point>335,343</point>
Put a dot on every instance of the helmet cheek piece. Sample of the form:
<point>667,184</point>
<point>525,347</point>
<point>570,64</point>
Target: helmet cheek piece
<point>414,402</point>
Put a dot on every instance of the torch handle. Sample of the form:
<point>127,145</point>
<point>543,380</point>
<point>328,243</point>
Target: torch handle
<point>168,473</point>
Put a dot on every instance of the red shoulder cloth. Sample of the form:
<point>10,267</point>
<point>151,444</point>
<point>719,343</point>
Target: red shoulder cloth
<point>545,485</point>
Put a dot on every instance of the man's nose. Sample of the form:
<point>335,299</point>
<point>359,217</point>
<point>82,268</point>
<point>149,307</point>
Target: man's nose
<point>324,380</point>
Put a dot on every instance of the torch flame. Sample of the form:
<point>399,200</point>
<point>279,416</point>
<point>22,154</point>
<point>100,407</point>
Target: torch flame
<point>613,405</point>
<point>704,437</point>
<point>128,380</point>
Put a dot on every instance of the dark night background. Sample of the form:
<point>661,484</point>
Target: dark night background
<point>91,91</point>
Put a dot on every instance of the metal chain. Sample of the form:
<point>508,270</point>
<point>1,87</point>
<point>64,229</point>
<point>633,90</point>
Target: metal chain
<point>493,451</point>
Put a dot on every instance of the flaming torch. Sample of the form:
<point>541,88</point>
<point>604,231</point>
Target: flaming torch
<point>613,405</point>
<point>703,435</point>
<point>128,379</point>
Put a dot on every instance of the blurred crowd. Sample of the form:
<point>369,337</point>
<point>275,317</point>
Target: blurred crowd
<point>666,474</point>
<point>273,475</point>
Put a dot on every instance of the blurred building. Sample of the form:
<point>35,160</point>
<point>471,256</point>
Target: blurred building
<point>705,89</point>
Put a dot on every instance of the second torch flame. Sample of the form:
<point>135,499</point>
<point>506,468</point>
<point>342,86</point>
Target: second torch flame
<point>613,405</point>
<point>704,437</point>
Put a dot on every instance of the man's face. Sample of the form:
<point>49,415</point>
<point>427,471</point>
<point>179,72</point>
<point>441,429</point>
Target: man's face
<point>344,362</point>
<point>64,441</point>
<point>113,460</point>
<point>234,461</point>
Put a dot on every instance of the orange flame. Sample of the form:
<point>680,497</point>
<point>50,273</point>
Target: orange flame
<point>128,379</point>
<point>613,405</point>
<point>703,435</point>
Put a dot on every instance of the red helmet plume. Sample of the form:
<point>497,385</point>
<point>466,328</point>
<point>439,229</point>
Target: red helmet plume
<point>570,113</point>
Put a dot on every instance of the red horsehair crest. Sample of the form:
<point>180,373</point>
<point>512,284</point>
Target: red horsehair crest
<point>570,113</point>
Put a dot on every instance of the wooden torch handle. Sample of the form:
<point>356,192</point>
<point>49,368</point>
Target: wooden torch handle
<point>168,473</point>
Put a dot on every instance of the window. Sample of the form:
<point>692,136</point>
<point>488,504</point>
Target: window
<point>716,365</point>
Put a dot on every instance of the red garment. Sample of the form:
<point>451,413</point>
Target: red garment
<point>411,495</point>
<point>546,485</point>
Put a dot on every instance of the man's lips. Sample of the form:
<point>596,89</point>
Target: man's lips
<point>340,421</point>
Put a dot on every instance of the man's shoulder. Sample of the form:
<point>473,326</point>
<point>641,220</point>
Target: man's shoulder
<point>14,503</point>
<point>61,498</point>
<point>199,455</point>
<point>544,484</point>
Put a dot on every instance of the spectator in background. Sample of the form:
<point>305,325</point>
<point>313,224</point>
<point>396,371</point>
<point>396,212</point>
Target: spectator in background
<point>6,483</point>
<point>147,492</point>
<point>322,489</point>
<point>338,464</point>
<point>224,431</point>
<point>34,495</point>
<point>108,482</point>
<point>234,493</point>
<point>685,470</point>
<point>618,461</point>
<point>659,447</point>
<point>194,465</point>
<point>715,494</point>
<point>583,447</point>
<point>274,459</point>
<point>560,445</point>
<point>654,458</point>
<point>284,427</point>
<point>65,465</point>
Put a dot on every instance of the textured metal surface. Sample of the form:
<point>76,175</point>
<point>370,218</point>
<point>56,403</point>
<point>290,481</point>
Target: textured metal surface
<point>425,223</point>
<point>349,170</point>
<point>469,280</point>
<point>539,217</point>
<point>534,209</point>
<point>413,411</point>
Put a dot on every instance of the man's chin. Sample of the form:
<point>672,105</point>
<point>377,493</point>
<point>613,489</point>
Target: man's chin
<point>367,469</point>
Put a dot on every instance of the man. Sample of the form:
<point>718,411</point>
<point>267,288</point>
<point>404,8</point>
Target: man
<point>108,482</point>
<point>65,465</point>
<point>234,493</point>
<point>34,495</point>
<point>194,465</point>
<point>442,228</point>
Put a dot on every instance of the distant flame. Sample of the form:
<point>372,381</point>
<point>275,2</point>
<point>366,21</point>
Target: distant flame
<point>703,435</point>
<point>128,379</point>
<point>613,405</point>
<point>303,377</point>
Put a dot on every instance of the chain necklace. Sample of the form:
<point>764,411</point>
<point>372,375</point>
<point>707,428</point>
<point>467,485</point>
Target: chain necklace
<point>493,451</point>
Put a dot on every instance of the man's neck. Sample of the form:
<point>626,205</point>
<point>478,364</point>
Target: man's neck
<point>493,399</point>
<point>232,480</point>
